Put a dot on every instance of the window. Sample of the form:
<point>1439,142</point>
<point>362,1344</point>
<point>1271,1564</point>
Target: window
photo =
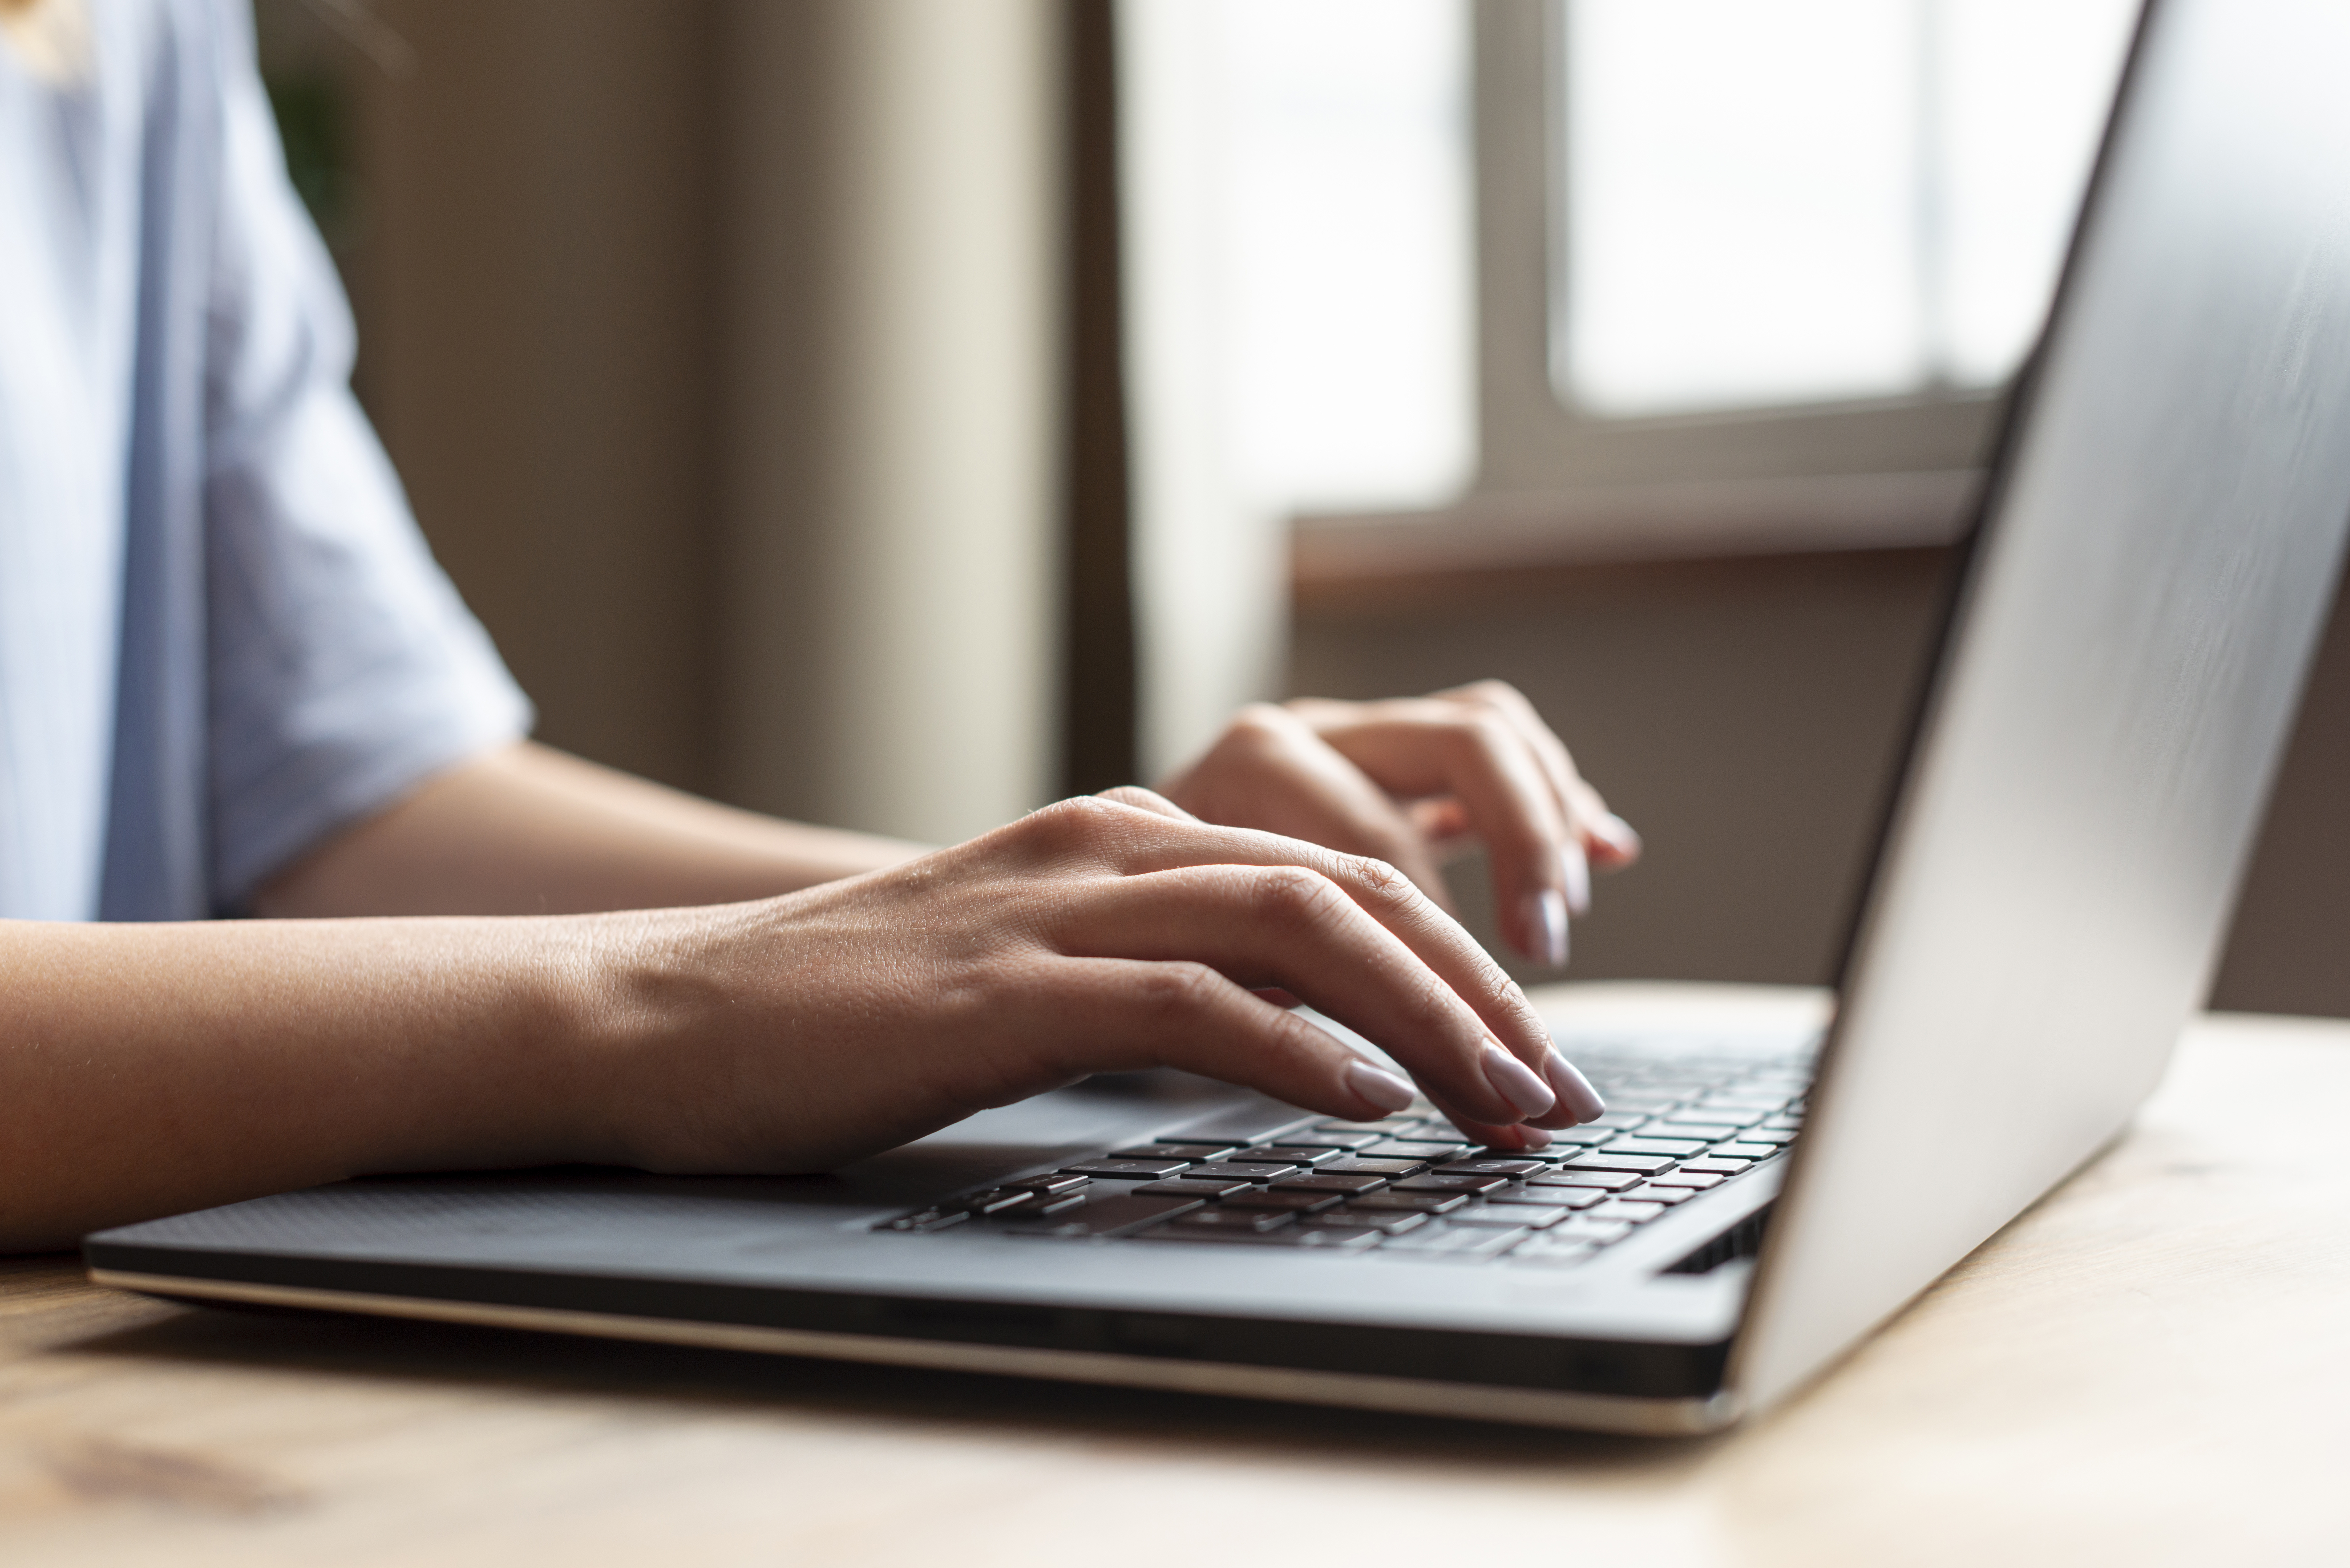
<point>1814,200</point>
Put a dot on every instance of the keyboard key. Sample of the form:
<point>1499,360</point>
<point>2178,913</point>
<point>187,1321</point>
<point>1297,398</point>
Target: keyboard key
<point>1293,1154</point>
<point>1612,1159</point>
<point>1540,1217</point>
<point>1127,1169</point>
<point>922,1221</point>
<point>1670,1147</point>
<point>1510,1168</point>
<point>1553,1196</point>
<point>1778,1137</point>
<point>993,1200</point>
<point>1351,1166</point>
<point>1350,1235</point>
<point>1306,1203</point>
<point>1385,1222</point>
<point>1292,1237</point>
<point>1056,1182</point>
<point>1568,1175</point>
<point>1695,1180</point>
<point>1258,1219</point>
<point>1712,1165</point>
<point>1179,1188</point>
<point>1327,1139</point>
<point>1323,1182</point>
<point>1652,1193</point>
<point>1409,1202</point>
<point>1583,1228</point>
<point>1584,1136</point>
<point>1631,1214</point>
<point>1700,1132</point>
<point>1389,1127</point>
<point>1615,1117</point>
<point>1472,1243</point>
<point>1108,1216</point>
<point>1417,1148</point>
<point>1186,1152</point>
<point>1743,1151</point>
<point>1574,1255</point>
<point>1472,1185</point>
<point>1241,1170</point>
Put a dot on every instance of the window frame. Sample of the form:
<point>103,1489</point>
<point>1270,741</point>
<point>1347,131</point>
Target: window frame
<point>1557,487</point>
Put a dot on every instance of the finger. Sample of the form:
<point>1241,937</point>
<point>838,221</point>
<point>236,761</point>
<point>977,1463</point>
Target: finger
<point>1290,927</point>
<point>1609,838</point>
<point>1136,842</point>
<point>1287,779</point>
<point>1114,1014</point>
<point>1479,758</point>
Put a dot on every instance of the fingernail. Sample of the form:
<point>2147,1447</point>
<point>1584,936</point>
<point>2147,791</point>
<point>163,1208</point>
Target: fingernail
<point>1515,1082</point>
<point>1381,1087</point>
<point>1574,1090</point>
<point>1577,866</point>
<point>1546,925</point>
<point>1618,834</point>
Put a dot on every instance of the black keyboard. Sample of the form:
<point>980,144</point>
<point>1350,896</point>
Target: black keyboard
<point>1412,1186</point>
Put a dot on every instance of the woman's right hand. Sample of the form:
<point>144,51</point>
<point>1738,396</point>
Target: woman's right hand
<point>1100,934</point>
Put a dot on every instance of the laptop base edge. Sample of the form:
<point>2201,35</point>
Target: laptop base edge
<point>1402,1396</point>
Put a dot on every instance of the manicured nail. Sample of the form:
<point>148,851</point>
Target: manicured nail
<point>1577,866</point>
<point>1546,926</point>
<point>1618,835</point>
<point>1381,1087</point>
<point>1515,1082</point>
<point>1574,1090</point>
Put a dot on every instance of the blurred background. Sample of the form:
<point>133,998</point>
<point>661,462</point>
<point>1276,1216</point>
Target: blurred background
<point>897,413</point>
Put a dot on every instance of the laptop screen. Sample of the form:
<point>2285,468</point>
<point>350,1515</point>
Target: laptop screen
<point>2161,546</point>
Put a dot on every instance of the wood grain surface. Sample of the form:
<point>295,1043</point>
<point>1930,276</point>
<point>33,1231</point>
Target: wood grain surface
<point>2147,1368</point>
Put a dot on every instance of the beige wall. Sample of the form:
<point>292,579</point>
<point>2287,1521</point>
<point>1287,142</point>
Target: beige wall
<point>715,340</point>
<point>537,350</point>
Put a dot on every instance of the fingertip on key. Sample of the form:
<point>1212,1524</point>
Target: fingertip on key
<point>1575,1092</point>
<point>1516,1082</point>
<point>1379,1086</point>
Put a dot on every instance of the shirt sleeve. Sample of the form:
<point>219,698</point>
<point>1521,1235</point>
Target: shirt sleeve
<point>343,667</point>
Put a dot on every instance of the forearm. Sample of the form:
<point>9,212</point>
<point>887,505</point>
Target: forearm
<point>529,830</point>
<point>146,1069</point>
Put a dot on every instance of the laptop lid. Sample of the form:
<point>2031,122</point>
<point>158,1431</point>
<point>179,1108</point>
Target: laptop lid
<point>2156,558</point>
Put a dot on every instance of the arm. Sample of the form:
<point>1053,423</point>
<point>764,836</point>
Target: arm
<point>153,1068</point>
<point>529,830</point>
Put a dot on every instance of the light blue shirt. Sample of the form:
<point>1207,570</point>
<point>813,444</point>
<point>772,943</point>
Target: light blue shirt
<point>221,635</point>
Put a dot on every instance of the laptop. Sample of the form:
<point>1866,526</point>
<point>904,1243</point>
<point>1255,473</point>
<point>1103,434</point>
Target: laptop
<point>2159,546</point>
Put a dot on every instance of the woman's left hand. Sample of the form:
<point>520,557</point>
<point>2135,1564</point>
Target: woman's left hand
<point>1398,779</point>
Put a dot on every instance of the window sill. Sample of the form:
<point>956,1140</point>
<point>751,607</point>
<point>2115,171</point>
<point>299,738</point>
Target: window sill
<point>1506,534</point>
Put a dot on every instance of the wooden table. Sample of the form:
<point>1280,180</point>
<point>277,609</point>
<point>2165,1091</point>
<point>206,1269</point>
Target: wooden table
<point>2149,1368</point>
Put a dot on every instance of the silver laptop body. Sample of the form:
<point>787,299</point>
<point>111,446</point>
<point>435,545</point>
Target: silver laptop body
<point>2160,541</point>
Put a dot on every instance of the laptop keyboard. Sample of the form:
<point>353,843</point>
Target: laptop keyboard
<point>1413,1186</point>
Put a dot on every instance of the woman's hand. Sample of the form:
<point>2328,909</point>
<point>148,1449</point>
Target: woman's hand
<point>1098,934</point>
<point>1395,779</point>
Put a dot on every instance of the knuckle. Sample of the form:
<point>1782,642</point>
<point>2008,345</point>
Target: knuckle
<point>1178,990</point>
<point>1295,895</point>
<point>1070,824</point>
<point>1495,694</point>
<point>1380,880</point>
